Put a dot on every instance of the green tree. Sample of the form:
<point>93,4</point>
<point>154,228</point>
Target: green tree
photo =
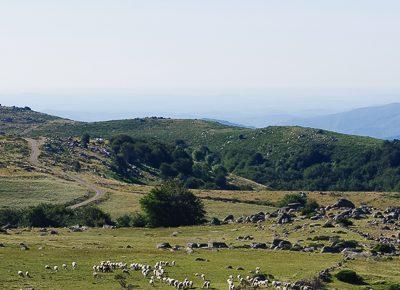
<point>171,204</point>
<point>167,171</point>
<point>85,140</point>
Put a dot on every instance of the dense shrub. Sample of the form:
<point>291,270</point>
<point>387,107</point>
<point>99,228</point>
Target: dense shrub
<point>344,222</point>
<point>349,276</point>
<point>48,215</point>
<point>136,220</point>
<point>172,161</point>
<point>384,248</point>
<point>322,166</point>
<point>171,204</point>
<point>292,198</point>
<point>394,287</point>
<point>139,220</point>
<point>310,207</point>
<point>124,221</point>
<point>85,139</point>
<point>92,216</point>
<point>10,217</point>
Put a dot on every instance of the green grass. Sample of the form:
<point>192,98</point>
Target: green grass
<point>23,191</point>
<point>18,120</point>
<point>91,247</point>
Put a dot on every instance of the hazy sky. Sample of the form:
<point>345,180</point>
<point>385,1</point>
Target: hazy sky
<point>141,55</point>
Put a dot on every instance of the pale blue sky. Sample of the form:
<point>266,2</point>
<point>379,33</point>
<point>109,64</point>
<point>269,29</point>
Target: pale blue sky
<point>295,53</point>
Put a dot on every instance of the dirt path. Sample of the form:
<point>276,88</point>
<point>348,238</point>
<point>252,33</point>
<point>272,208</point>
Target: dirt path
<point>35,152</point>
<point>98,192</point>
<point>34,146</point>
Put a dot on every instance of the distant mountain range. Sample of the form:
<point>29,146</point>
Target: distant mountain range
<point>380,122</point>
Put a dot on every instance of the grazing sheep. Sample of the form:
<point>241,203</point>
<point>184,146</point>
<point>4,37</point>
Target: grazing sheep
<point>21,274</point>
<point>74,265</point>
<point>55,268</point>
<point>64,266</point>
<point>47,267</point>
<point>207,284</point>
<point>27,274</point>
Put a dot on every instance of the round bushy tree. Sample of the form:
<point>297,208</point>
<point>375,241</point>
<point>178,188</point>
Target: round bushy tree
<point>171,204</point>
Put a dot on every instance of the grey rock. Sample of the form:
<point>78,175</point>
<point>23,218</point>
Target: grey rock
<point>164,246</point>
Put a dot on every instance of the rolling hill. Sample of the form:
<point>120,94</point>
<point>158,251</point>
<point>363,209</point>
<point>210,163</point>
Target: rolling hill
<point>281,157</point>
<point>379,122</point>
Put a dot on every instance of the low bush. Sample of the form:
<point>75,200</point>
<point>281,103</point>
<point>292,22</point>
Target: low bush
<point>48,215</point>
<point>345,222</point>
<point>310,207</point>
<point>384,248</point>
<point>10,217</point>
<point>292,198</point>
<point>349,276</point>
<point>139,220</point>
<point>124,221</point>
<point>394,287</point>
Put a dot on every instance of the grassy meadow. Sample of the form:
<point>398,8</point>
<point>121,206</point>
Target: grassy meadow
<point>139,245</point>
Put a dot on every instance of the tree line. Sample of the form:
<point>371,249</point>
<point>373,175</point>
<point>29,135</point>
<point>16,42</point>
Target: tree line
<point>199,168</point>
<point>321,167</point>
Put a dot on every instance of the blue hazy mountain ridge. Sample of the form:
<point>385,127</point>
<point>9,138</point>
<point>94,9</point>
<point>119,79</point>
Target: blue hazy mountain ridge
<point>378,121</point>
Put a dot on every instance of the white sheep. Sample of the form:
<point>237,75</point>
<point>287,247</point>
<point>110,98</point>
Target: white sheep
<point>20,273</point>
<point>74,265</point>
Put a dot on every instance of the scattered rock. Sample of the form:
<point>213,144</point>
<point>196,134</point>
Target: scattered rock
<point>164,246</point>
<point>215,222</point>
<point>284,218</point>
<point>281,244</point>
<point>342,203</point>
<point>328,249</point>
<point>258,246</point>
<point>229,218</point>
<point>218,245</point>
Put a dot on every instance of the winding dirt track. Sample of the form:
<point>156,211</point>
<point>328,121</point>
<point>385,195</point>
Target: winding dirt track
<point>35,145</point>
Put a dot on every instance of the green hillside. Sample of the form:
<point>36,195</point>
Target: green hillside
<point>280,157</point>
<point>20,121</point>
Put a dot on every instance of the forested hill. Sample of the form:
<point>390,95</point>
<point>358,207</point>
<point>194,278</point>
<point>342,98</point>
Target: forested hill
<point>282,157</point>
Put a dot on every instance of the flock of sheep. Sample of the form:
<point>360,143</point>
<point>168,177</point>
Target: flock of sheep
<point>47,267</point>
<point>158,273</point>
